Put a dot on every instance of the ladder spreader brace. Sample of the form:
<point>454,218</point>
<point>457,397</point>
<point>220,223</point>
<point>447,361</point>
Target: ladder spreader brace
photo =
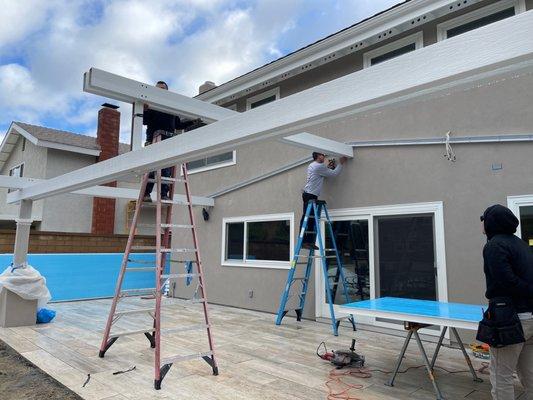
<point>316,208</point>
<point>162,249</point>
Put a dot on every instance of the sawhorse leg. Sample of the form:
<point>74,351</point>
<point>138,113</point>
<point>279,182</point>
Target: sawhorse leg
<point>413,330</point>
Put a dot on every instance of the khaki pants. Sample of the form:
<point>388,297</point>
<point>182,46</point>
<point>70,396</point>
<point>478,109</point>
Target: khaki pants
<point>505,360</point>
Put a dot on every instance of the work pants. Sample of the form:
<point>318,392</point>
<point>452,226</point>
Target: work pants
<point>309,238</point>
<point>166,172</point>
<point>505,360</point>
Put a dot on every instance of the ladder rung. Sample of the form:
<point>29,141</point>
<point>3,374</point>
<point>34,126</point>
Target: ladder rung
<point>177,202</point>
<point>303,278</point>
<point>170,276</point>
<point>143,247</point>
<point>309,231</point>
<point>182,261</point>
<point>194,301</point>
<point>133,292</point>
<point>307,256</point>
<point>175,226</point>
<point>140,269</point>
<point>166,179</point>
<point>185,328</point>
<point>134,332</point>
<point>135,311</point>
<point>149,262</point>
<point>174,359</point>
<point>178,250</point>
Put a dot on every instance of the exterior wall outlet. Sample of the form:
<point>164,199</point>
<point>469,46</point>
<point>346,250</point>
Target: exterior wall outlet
<point>251,293</point>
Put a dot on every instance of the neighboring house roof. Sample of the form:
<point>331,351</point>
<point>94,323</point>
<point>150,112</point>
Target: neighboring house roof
<point>399,18</point>
<point>51,138</point>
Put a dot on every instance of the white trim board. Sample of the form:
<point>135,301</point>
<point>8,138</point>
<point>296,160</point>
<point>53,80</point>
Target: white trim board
<point>514,203</point>
<point>15,182</point>
<point>256,263</point>
<point>499,49</point>
<point>444,27</point>
<point>316,143</point>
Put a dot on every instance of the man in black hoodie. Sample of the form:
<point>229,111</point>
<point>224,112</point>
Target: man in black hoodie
<point>508,266</point>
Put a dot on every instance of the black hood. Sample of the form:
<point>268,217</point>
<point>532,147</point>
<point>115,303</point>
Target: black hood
<point>499,220</point>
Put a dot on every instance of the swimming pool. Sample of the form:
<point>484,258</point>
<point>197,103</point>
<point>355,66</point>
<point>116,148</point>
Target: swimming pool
<point>81,276</point>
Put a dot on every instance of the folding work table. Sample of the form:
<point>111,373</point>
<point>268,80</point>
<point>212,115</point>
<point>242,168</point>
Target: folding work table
<point>417,314</point>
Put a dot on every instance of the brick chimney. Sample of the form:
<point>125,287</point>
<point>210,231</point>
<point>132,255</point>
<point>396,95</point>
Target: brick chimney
<point>107,137</point>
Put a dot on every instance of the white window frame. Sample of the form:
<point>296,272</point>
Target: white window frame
<point>257,263</point>
<point>369,213</point>
<point>228,163</point>
<point>514,203</point>
<point>444,27</point>
<point>16,166</point>
<point>261,96</point>
<point>416,38</point>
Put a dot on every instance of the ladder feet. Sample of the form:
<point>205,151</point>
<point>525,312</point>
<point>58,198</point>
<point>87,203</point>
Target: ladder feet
<point>211,362</point>
<point>107,346</point>
<point>162,372</point>
<point>298,314</point>
<point>151,338</point>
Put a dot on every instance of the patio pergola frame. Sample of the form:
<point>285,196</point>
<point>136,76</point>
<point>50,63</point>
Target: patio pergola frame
<point>501,49</point>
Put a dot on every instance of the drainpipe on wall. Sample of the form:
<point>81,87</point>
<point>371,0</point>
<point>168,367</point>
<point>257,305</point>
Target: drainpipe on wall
<point>107,137</point>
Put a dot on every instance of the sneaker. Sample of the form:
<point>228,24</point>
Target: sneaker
<point>165,197</point>
<point>147,198</point>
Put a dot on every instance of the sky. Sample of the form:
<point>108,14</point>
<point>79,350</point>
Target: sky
<point>46,46</point>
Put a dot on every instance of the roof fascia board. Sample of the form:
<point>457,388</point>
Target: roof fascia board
<point>341,40</point>
<point>316,143</point>
<point>24,133</point>
<point>103,83</point>
<point>16,182</point>
<point>498,49</point>
<point>68,147</point>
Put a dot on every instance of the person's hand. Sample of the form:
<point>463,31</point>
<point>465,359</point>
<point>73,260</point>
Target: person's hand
<point>332,164</point>
<point>343,160</point>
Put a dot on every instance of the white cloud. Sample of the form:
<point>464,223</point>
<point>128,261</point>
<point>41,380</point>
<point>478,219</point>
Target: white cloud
<point>21,18</point>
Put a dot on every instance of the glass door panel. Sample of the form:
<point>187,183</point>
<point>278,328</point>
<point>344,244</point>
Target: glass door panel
<point>526,224</point>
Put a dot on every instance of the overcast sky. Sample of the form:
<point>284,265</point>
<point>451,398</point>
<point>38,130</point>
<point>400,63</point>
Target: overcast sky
<point>45,46</point>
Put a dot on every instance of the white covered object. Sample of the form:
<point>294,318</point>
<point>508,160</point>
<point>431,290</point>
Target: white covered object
<point>27,282</point>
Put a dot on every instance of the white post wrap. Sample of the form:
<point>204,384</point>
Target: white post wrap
<point>137,126</point>
<point>22,237</point>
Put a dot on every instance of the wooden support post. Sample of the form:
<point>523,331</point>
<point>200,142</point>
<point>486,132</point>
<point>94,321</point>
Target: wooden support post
<point>137,126</point>
<point>22,237</point>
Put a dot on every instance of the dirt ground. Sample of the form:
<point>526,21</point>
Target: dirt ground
<point>20,379</point>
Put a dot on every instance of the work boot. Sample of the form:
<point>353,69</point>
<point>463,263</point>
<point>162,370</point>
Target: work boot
<point>165,197</point>
<point>309,246</point>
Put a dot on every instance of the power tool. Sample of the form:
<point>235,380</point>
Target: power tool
<point>342,358</point>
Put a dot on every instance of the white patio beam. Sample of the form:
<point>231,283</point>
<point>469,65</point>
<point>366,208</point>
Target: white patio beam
<point>117,87</point>
<point>503,48</point>
<point>320,144</point>
<point>15,182</point>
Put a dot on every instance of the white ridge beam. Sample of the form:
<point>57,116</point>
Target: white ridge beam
<point>320,144</point>
<point>500,49</point>
<point>15,182</point>
<point>117,87</point>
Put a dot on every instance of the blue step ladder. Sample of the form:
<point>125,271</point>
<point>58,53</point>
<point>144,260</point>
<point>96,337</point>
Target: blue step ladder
<point>317,208</point>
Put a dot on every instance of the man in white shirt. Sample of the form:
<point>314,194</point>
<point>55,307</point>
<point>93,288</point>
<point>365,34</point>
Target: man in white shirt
<point>316,172</point>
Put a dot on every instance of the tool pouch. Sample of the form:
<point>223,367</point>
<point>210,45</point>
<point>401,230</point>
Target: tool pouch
<point>500,325</point>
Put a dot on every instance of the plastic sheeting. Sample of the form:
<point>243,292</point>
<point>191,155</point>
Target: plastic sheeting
<point>27,282</point>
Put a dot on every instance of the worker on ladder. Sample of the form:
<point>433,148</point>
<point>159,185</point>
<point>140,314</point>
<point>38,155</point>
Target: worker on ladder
<point>316,172</point>
<point>159,123</point>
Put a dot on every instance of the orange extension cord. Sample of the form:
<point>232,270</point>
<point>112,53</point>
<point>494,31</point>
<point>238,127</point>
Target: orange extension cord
<point>335,380</point>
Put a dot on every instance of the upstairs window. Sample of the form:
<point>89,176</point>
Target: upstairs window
<point>262,98</point>
<point>393,50</point>
<point>480,17</point>
<point>17,171</point>
<point>212,162</point>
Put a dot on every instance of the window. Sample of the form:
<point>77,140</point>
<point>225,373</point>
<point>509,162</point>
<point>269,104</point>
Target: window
<point>394,49</point>
<point>264,241</point>
<point>480,17</point>
<point>212,162</point>
<point>522,207</point>
<point>263,98</point>
<point>17,170</point>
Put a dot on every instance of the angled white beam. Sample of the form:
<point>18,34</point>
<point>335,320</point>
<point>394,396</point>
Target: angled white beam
<point>15,182</point>
<point>320,144</point>
<point>117,87</point>
<point>501,49</point>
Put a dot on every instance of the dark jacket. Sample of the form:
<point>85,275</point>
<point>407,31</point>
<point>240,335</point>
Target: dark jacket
<point>508,260</point>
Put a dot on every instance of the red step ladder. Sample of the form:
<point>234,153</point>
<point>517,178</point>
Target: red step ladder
<point>162,249</point>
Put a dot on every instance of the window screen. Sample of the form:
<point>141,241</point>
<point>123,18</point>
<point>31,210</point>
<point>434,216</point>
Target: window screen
<point>210,161</point>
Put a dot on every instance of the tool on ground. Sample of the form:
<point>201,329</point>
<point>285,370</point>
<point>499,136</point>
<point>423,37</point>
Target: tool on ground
<point>87,380</point>
<point>130,264</point>
<point>126,370</point>
<point>342,358</point>
<point>480,351</point>
<point>316,209</point>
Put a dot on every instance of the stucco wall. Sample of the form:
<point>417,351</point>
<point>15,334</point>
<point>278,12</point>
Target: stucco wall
<point>35,160</point>
<point>384,176</point>
<point>67,212</point>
